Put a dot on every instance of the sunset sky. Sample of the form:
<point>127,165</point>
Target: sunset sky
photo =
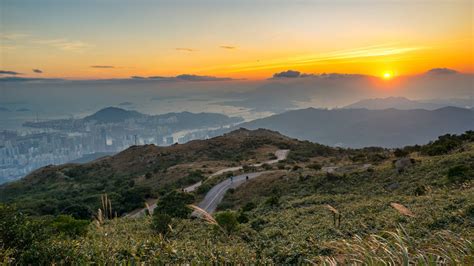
<point>241,39</point>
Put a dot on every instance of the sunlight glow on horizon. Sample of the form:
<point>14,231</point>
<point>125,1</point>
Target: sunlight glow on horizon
<point>387,75</point>
<point>240,40</point>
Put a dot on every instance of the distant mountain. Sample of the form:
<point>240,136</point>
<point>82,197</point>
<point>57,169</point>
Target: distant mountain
<point>362,127</point>
<point>112,115</point>
<point>401,103</point>
<point>173,121</point>
<point>457,102</point>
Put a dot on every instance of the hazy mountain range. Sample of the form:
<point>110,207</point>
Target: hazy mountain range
<point>363,127</point>
<point>403,103</point>
<point>114,115</point>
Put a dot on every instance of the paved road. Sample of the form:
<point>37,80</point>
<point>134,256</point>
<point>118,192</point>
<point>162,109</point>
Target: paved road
<point>280,154</point>
<point>216,194</point>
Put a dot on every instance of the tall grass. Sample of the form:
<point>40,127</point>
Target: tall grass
<point>398,248</point>
<point>106,212</point>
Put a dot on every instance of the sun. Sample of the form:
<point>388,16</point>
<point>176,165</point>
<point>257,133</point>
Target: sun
<point>387,75</point>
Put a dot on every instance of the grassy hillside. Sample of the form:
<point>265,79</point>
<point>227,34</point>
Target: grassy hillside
<point>413,205</point>
<point>136,174</point>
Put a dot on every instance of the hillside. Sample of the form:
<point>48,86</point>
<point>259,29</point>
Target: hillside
<point>135,174</point>
<point>362,128</point>
<point>322,205</point>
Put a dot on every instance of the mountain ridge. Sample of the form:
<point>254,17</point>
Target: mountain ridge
<point>359,128</point>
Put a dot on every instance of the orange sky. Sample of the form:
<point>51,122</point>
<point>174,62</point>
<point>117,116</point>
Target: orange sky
<point>249,40</point>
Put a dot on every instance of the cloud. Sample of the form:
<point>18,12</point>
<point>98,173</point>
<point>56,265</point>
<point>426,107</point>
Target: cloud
<point>287,74</point>
<point>297,74</point>
<point>65,44</point>
<point>125,104</point>
<point>183,77</point>
<point>35,70</point>
<point>7,72</point>
<point>13,36</point>
<point>228,47</point>
<point>189,77</point>
<point>360,54</point>
<point>441,71</point>
<point>20,79</point>
<point>185,49</point>
<point>102,66</point>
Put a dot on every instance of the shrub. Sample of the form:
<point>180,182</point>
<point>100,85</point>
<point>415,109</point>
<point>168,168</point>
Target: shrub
<point>257,224</point>
<point>161,222</point>
<point>249,206</point>
<point>315,166</point>
<point>18,232</point>
<point>204,188</point>
<point>228,221</point>
<point>273,200</point>
<point>175,204</point>
<point>459,173</point>
<point>400,153</point>
<point>78,211</point>
<point>242,218</point>
<point>67,225</point>
<point>442,145</point>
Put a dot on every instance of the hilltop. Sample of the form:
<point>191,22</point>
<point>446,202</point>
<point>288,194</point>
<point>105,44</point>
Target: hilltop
<point>112,115</point>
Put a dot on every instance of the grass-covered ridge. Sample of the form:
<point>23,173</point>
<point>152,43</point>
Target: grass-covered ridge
<point>136,174</point>
<point>324,206</point>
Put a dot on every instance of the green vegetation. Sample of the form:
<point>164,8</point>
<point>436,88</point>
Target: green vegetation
<point>134,175</point>
<point>323,207</point>
<point>228,221</point>
<point>161,222</point>
<point>175,204</point>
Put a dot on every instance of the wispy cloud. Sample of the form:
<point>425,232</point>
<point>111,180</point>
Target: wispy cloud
<point>8,72</point>
<point>65,44</point>
<point>13,36</point>
<point>374,52</point>
<point>183,77</point>
<point>102,66</point>
<point>228,47</point>
<point>12,39</point>
<point>36,70</point>
<point>185,49</point>
<point>7,47</point>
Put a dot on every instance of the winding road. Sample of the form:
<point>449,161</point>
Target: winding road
<point>216,194</point>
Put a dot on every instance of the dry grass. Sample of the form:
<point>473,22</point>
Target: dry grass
<point>202,214</point>
<point>331,208</point>
<point>402,209</point>
<point>398,248</point>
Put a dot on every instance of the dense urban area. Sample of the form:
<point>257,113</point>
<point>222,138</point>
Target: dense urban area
<point>104,133</point>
